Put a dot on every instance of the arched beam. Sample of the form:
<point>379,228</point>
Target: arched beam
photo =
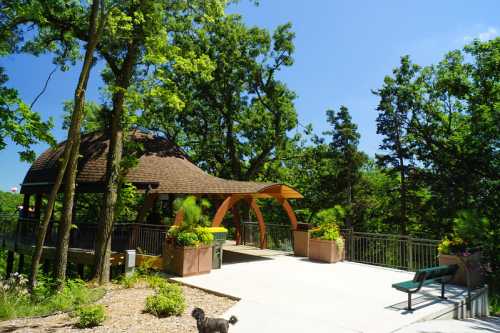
<point>223,208</point>
<point>260,219</point>
<point>289,211</point>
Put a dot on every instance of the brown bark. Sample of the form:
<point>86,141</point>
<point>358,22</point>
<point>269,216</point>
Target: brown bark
<point>114,158</point>
<point>73,143</point>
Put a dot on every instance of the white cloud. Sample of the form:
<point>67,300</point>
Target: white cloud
<point>490,33</point>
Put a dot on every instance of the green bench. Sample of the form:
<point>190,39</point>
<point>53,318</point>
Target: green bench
<point>423,277</point>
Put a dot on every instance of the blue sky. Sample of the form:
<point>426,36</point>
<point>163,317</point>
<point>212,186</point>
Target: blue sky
<point>343,51</point>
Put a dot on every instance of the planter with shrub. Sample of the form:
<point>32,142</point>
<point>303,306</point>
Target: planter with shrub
<point>188,248</point>
<point>325,243</point>
<point>462,248</point>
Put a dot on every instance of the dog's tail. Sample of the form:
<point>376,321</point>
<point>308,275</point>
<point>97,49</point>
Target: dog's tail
<point>233,320</point>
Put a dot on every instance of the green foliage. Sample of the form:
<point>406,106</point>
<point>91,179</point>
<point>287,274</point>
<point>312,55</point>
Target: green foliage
<point>19,123</point>
<point>191,236</point>
<point>193,230</point>
<point>90,316</point>
<point>327,225</point>
<point>167,301</point>
<point>9,202</point>
<point>15,301</point>
<point>194,210</point>
<point>127,203</point>
<point>129,281</point>
<point>254,109</point>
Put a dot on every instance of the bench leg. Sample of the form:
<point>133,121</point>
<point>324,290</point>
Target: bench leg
<point>442,291</point>
<point>409,303</point>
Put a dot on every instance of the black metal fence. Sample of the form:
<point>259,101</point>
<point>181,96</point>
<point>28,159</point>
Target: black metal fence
<point>395,251</point>
<point>278,236</point>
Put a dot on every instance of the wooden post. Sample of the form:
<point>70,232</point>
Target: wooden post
<point>38,205</point>
<point>146,207</point>
<point>10,264</point>
<point>26,205</point>
<point>81,269</point>
<point>20,264</point>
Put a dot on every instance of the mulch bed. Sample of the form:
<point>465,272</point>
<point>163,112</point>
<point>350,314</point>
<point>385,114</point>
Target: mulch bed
<point>125,313</point>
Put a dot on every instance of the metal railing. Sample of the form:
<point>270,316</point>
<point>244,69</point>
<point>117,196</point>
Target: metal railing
<point>278,236</point>
<point>395,251</point>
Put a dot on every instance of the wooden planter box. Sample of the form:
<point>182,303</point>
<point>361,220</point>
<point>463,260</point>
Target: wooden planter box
<point>187,260</point>
<point>301,243</point>
<point>473,262</point>
<point>325,251</point>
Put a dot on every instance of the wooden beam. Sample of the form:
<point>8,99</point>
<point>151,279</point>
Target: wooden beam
<point>289,211</point>
<point>223,208</point>
<point>262,225</point>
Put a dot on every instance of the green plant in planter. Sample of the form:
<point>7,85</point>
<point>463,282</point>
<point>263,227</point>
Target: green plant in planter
<point>327,225</point>
<point>194,230</point>
<point>469,231</point>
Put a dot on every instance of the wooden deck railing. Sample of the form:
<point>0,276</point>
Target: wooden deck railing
<point>146,238</point>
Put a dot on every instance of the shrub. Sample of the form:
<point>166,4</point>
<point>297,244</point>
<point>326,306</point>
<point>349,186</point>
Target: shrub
<point>187,235</point>
<point>155,281</point>
<point>90,316</point>
<point>129,281</point>
<point>167,301</point>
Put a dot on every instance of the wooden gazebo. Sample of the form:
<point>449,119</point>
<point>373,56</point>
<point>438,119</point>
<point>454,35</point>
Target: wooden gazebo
<point>162,169</point>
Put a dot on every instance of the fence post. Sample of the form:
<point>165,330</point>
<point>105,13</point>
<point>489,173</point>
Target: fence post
<point>409,253</point>
<point>349,254</point>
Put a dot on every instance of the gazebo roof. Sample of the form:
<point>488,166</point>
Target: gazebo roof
<point>161,165</point>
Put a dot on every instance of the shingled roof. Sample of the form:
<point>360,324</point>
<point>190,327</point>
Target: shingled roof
<point>161,165</point>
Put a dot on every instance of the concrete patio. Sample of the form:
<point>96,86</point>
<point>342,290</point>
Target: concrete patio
<point>282,293</point>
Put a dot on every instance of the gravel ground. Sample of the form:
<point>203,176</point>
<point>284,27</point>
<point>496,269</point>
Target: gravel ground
<point>124,310</point>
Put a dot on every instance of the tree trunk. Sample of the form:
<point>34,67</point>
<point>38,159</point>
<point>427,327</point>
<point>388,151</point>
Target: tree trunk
<point>403,196</point>
<point>61,259</point>
<point>114,158</point>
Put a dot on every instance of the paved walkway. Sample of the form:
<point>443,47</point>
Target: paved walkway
<point>288,294</point>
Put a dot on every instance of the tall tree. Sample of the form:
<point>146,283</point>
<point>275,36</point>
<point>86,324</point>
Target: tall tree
<point>399,99</point>
<point>348,160</point>
<point>95,28</point>
<point>134,41</point>
<point>238,121</point>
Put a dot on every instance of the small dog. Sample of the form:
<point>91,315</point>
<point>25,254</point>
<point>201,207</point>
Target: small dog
<point>211,325</point>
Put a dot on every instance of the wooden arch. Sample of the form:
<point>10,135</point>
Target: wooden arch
<point>279,192</point>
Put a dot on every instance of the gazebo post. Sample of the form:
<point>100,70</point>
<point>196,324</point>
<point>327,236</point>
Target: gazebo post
<point>146,207</point>
<point>38,205</point>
